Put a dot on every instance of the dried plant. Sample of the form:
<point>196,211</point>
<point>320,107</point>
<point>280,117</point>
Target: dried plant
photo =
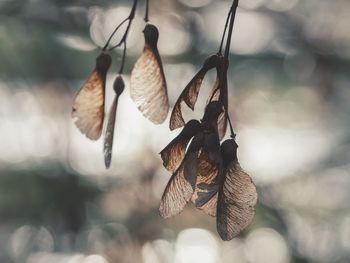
<point>148,87</point>
<point>207,173</point>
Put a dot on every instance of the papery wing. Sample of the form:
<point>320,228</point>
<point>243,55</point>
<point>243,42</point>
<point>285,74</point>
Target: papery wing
<point>207,184</point>
<point>222,120</point>
<point>148,86</point>
<point>236,202</point>
<point>174,153</point>
<point>88,107</point>
<point>222,124</point>
<point>176,194</point>
<point>189,95</point>
<point>108,140</point>
<point>209,204</point>
<point>215,91</point>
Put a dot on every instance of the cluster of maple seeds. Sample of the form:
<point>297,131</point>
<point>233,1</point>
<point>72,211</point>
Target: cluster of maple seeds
<point>147,88</point>
<point>204,170</point>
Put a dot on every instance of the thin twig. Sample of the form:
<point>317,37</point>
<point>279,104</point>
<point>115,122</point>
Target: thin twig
<point>229,36</point>
<point>226,24</point>
<point>147,10</point>
<point>130,18</point>
<point>123,59</point>
<point>226,55</point>
<point>113,33</point>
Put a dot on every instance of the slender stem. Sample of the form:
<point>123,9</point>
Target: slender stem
<point>113,33</point>
<point>147,10</point>
<point>232,20</point>
<point>123,59</point>
<point>129,19</point>
<point>226,55</point>
<point>226,24</point>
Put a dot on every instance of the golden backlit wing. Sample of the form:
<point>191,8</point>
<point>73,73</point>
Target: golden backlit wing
<point>88,107</point>
<point>148,86</point>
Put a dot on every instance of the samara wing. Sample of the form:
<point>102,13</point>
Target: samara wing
<point>237,197</point>
<point>88,107</point>
<point>174,153</point>
<point>190,93</point>
<point>176,194</point>
<point>182,183</point>
<point>148,87</point>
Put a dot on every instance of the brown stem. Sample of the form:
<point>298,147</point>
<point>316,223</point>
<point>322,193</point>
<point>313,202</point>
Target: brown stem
<point>226,57</point>
<point>147,9</point>
<point>129,19</point>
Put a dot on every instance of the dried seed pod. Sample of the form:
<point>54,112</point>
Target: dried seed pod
<point>207,184</point>
<point>118,87</point>
<point>209,165</point>
<point>88,107</point>
<point>177,192</point>
<point>190,94</point>
<point>173,154</point>
<point>219,92</point>
<point>237,196</point>
<point>147,84</point>
<point>182,183</point>
<point>212,112</point>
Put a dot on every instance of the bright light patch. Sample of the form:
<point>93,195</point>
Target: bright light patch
<point>196,245</point>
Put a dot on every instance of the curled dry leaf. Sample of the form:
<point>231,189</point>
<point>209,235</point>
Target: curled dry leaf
<point>237,196</point>
<point>147,84</point>
<point>190,94</point>
<point>88,107</point>
<point>173,154</point>
<point>118,87</point>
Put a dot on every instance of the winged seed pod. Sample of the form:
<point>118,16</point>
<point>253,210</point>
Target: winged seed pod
<point>88,107</point>
<point>190,93</point>
<point>237,195</point>
<point>118,87</point>
<point>192,175</point>
<point>173,154</point>
<point>148,87</point>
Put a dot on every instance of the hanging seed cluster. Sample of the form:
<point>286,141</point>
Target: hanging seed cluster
<point>205,169</point>
<point>148,88</point>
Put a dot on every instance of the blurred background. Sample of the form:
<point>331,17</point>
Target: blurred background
<point>289,100</point>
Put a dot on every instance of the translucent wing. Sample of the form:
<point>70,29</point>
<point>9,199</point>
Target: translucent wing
<point>237,197</point>
<point>182,183</point>
<point>189,95</point>
<point>88,107</point>
<point>108,140</point>
<point>236,202</point>
<point>174,153</point>
<point>148,86</point>
<point>176,194</point>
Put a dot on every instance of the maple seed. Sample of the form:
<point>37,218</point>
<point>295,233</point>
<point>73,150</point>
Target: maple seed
<point>148,87</point>
<point>88,107</point>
